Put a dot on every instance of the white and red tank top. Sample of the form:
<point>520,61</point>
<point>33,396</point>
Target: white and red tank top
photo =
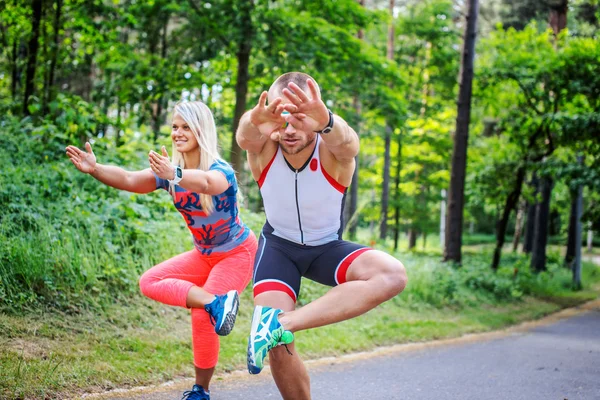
<point>302,205</point>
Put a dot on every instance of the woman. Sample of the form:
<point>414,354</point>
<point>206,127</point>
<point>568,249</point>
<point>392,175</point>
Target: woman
<point>204,189</point>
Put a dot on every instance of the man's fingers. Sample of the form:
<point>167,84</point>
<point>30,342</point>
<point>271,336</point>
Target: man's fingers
<point>313,88</point>
<point>291,96</point>
<point>291,108</point>
<point>262,100</point>
<point>298,92</point>
<point>275,136</point>
<point>295,122</point>
<point>274,104</point>
<point>88,147</point>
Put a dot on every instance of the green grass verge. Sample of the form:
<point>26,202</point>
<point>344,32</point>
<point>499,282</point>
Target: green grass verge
<point>51,354</point>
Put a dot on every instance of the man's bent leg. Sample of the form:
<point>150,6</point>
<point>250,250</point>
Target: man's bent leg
<point>372,278</point>
<point>288,371</point>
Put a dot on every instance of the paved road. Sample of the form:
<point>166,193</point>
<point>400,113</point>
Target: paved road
<point>555,361</point>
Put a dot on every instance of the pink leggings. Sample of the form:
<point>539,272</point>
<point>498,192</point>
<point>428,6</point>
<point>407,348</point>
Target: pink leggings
<point>170,281</point>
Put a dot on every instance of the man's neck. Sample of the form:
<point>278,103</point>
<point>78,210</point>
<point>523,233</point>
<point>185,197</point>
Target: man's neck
<point>299,159</point>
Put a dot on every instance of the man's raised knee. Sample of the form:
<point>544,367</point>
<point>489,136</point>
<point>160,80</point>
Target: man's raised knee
<point>394,277</point>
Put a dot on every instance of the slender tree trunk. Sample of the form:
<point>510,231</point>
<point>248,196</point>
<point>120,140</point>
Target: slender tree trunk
<point>54,55</point>
<point>36,19</point>
<point>157,115</point>
<point>456,193</point>
<point>243,77</point>
<point>558,15</point>
<point>412,238</point>
<point>572,230</point>
<point>385,190</point>
<point>15,70</point>
<point>530,222</point>
<point>519,226</point>
<point>540,234</point>
<point>443,218</point>
<point>397,195</point>
<point>353,201</point>
<point>578,233</point>
<point>502,223</point>
<point>590,240</point>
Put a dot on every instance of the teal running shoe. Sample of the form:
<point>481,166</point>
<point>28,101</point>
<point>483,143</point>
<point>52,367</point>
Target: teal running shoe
<point>223,311</point>
<point>266,333</point>
<point>197,393</point>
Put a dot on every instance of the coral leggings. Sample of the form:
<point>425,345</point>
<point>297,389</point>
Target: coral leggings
<point>170,281</point>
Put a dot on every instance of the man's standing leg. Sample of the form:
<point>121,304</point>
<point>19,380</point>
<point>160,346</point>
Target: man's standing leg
<point>288,371</point>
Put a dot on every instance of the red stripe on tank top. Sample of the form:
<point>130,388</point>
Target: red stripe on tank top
<point>336,185</point>
<point>263,174</point>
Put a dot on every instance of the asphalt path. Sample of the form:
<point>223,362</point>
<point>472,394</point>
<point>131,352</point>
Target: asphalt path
<point>557,358</point>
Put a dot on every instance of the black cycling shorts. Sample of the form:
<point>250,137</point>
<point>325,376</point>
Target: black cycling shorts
<point>280,264</point>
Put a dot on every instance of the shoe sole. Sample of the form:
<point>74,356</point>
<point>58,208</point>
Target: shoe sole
<point>230,309</point>
<point>252,367</point>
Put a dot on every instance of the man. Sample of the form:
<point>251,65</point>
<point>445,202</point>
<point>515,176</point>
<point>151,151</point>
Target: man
<point>302,156</point>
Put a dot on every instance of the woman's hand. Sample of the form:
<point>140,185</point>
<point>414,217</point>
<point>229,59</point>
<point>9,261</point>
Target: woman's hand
<point>85,161</point>
<point>161,165</point>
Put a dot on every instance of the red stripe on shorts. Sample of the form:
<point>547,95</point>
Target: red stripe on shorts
<point>267,286</point>
<point>340,274</point>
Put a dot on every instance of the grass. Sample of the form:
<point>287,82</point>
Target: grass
<point>57,355</point>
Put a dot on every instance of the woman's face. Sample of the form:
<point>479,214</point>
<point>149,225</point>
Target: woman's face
<point>182,135</point>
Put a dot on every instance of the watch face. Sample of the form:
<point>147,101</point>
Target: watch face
<point>178,172</point>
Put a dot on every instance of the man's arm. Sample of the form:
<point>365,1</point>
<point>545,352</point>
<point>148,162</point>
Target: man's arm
<point>342,141</point>
<point>248,136</point>
<point>259,124</point>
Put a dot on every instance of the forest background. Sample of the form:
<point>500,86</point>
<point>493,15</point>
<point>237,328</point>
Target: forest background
<point>110,72</point>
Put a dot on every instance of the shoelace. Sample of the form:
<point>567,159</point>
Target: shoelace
<point>213,320</point>
<point>187,395</point>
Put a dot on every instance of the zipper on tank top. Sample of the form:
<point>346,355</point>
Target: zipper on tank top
<point>298,209</point>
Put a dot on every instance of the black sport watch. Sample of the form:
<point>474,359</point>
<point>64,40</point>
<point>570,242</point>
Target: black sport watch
<point>329,126</point>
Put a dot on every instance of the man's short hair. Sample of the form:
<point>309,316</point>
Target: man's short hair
<point>299,78</point>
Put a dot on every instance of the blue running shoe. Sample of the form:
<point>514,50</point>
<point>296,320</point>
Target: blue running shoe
<point>197,393</point>
<point>266,333</point>
<point>223,311</point>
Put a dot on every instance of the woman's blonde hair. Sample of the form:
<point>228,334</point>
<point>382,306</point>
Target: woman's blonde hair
<point>201,122</point>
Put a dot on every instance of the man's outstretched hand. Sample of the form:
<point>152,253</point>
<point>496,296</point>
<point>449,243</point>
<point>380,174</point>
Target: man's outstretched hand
<point>308,114</point>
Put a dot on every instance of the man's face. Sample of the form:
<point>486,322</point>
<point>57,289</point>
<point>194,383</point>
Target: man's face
<point>292,140</point>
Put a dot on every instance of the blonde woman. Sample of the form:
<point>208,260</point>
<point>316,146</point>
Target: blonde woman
<point>208,278</point>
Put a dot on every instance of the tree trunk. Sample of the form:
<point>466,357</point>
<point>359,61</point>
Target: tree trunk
<point>456,193</point>
<point>15,70</point>
<point>578,232</point>
<point>540,234</point>
<point>385,190</point>
<point>353,203</point>
<point>243,77</point>
<point>157,110</point>
<point>572,231</point>
<point>530,222</point>
<point>519,226</point>
<point>590,240</point>
<point>412,238</point>
<point>397,195</point>
<point>443,218</point>
<point>558,15</point>
<point>54,56</point>
<point>502,223</point>
<point>36,18</point>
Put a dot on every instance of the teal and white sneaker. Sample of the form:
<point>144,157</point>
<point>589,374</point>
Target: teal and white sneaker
<point>223,311</point>
<point>266,333</point>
